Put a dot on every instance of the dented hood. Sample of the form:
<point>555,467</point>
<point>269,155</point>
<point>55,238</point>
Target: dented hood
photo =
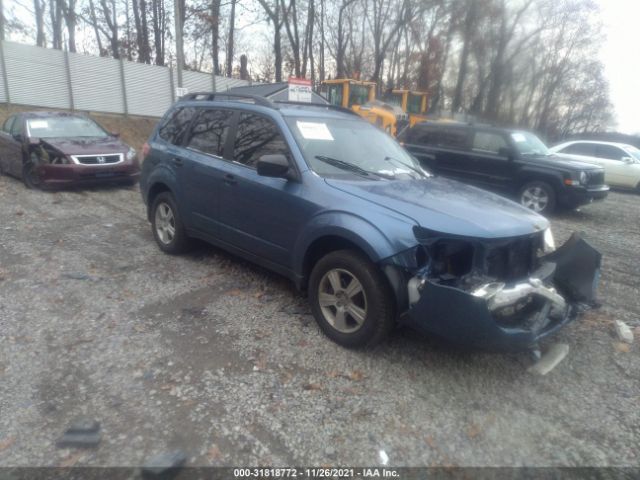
<point>86,145</point>
<point>447,206</point>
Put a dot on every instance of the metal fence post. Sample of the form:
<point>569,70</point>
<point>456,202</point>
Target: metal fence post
<point>124,88</point>
<point>5,77</point>
<point>68,69</point>
<point>172,86</point>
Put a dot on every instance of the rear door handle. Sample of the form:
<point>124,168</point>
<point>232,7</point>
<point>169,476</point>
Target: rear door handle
<point>230,179</point>
<point>177,161</point>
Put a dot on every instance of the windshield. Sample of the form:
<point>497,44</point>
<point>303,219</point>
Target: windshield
<point>528,144</point>
<point>635,153</point>
<point>64,126</point>
<point>339,147</point>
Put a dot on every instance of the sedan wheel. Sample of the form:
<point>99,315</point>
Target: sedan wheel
<point>29,176</point>
<point>342,300</point>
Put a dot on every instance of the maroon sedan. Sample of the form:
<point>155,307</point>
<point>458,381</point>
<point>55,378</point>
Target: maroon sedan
<point>59,149</point>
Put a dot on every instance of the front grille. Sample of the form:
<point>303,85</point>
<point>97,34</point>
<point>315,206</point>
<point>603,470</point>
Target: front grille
<point>99,159</point>
<point>512,261</point>
<point>595,178</point>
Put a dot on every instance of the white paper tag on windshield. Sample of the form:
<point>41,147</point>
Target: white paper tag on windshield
<point>314,131</point>
<point>518,137</point>
<point>38,124</point>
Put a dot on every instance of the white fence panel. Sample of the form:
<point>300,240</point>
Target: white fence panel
<point>96,82</point>
<point>148,89</point>
<point>41,77</point>
<point>36,76</point>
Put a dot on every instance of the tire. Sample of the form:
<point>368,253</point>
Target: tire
<point>353,321</point>
<point>29,176</point>
<point>538,196</point>
<point>166,225</point>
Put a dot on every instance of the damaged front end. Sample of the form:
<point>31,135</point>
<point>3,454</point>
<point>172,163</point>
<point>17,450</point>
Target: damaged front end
<point>499,294</point>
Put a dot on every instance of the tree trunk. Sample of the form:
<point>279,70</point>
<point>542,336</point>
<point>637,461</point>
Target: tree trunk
<point>232,21</point>
<point>159,23</point>
<point>39,8</point>
<point>215,36</point>
<point>469,27</point>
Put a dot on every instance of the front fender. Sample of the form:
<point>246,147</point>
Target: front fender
<point>357,230</point>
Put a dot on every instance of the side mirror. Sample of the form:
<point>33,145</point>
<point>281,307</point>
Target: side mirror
<point>506,152</point>
<point>276,166</point>
<point>115,134</point>
<point>628,160</point>
<point>18,137</point>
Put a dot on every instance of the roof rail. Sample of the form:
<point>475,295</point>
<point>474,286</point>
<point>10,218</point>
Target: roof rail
<point>321,105</point>
<point>210,96</point>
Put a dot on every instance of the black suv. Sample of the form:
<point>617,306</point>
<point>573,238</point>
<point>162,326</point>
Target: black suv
<point>512,162</point>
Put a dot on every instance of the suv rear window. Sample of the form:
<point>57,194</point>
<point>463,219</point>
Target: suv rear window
<point>209,131</point>
<point>438,137</point>
<point>257,136</point>
<point>176,125</point>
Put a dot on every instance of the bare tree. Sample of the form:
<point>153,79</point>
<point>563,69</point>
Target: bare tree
<point>232,23</point>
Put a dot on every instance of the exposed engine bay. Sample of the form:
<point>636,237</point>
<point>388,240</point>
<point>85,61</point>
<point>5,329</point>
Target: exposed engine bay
<point>42,153</point>
<point>518,284</point>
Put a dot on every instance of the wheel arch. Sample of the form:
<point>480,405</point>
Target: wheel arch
<point>156,189</point>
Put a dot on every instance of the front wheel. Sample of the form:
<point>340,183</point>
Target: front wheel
<point>30,177</point>
<point>351,300</point>
<point>539,197</point>
<point>167,226</point>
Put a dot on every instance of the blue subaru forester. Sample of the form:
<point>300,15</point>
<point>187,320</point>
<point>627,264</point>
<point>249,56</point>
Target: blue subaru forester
<point>321,196</point>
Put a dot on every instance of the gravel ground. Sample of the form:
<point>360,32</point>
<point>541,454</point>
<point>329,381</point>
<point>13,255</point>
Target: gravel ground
<point>219,358</point>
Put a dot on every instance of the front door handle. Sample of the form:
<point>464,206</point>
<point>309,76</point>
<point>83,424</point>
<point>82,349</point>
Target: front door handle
<point>230,179</point>
<point>177,161</point>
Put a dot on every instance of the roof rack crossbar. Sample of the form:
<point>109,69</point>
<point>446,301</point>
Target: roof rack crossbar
<point>262,101</point>
<point>321,105</point>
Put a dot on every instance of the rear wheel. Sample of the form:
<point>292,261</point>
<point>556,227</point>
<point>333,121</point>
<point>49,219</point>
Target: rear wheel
<point>350,299</point>
<point>539,197</point>
<point>167,226</point>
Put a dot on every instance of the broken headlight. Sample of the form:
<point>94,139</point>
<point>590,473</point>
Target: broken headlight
<point>549,244</point>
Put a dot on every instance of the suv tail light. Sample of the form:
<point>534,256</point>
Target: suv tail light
<point>145,150</point>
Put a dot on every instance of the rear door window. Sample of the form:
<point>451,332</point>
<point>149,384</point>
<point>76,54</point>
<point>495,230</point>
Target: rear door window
<point>488,142</point>
<point>585,149</point>
<point>209,131</point>
<point>257,136</point>
<point>610,152</point>
<point>176,125</point>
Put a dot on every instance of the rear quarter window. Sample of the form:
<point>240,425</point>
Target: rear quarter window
<point>176,124</point>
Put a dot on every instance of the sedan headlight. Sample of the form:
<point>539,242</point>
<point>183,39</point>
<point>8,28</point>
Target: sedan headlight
<point>131,154</point>
<point>584,178</point>
<point>549,242</point>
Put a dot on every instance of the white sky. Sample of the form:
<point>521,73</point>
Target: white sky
<point>621,56</point>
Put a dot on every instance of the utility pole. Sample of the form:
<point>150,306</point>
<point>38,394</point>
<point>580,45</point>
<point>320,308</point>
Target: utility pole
<point>179,15</point>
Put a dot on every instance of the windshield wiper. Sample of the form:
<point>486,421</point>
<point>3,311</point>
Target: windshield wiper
<point>349,166</point>
<point>410,167</point>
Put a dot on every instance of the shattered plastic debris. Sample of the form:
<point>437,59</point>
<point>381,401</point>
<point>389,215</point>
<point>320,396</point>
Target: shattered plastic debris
<point>164,464</point>
<point>551,359</point>
<point>81,433</point>
<point>623,331</point>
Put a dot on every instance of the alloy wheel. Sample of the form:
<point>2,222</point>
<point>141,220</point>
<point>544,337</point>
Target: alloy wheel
<point>342,299</point>
<point>165,223</point>
<point>535,198</point>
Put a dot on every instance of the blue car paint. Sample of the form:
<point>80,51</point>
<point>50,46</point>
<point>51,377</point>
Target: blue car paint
<point>275,222</point>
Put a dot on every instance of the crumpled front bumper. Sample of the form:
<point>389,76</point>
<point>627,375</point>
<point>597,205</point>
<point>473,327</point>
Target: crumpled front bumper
<point>572,274</point>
